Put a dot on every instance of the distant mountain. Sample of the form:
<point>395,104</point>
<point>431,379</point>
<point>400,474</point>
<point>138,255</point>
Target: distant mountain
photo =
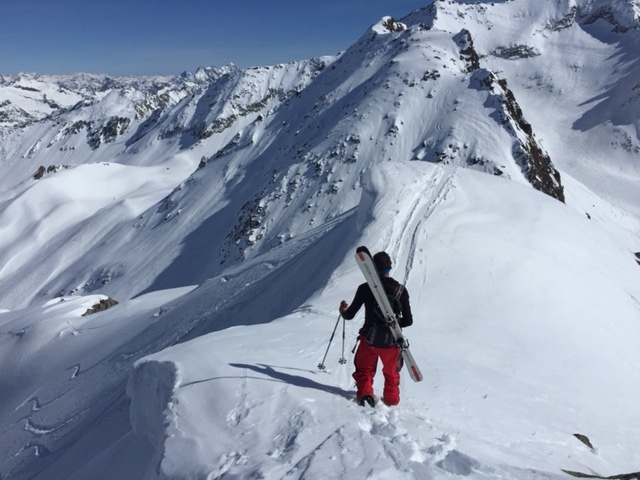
<point>43,97</point>
<point>229,197</point>
<point>523,93</point>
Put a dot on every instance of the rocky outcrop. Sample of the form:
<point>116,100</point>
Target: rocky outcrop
<point>467,51</point>
<point>515,52</point>
<point>14,116</point>
<point>42,171</point>
<point>535,163</point>
<point>606,14</point>
<point>101,306</point>
<point>532,159</point>
<point>392,25</point>
<point>108,132</point>
<point>566,21</point>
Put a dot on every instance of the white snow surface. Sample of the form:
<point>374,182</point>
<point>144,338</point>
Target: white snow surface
<point>516,359</point>
<point>222,210</point>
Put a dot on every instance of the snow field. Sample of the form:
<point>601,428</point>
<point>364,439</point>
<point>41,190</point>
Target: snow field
<point>229,276</point>
<point>495,402</point>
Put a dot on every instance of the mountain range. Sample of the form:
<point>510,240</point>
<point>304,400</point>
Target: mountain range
<point>491,148</point>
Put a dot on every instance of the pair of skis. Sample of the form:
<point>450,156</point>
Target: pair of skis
<point>365,262</point>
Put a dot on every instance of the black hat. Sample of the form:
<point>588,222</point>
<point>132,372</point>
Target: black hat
<point>382,262</point>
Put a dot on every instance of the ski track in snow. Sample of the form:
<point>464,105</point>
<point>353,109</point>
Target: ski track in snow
<point>441,107</point>
<point>418,215</point>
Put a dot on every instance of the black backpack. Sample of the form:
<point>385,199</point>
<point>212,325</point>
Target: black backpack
<point>377,333</point>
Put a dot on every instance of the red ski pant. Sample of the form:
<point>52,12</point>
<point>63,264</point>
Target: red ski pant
<point>366,362</point>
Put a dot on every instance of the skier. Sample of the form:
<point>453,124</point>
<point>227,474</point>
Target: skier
<point>376,340</point>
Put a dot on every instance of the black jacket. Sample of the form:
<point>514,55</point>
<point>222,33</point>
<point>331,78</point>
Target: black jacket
<point>364,296</point>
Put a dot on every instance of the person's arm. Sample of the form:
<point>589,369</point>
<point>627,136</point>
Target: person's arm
<point>407,316</point>
<point>349,311</point>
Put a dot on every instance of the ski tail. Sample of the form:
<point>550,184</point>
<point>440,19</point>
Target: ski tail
<point>362,251</point>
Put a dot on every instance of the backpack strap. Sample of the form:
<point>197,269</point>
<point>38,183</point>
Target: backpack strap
<point>398,292</point>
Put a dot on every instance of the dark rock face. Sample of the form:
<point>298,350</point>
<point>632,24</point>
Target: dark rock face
<point>108,132</point>
<point>393,25</point>
<point>101,306</point>
<point>515,52</point>
<point>605,14</point>
<point>565,22</point>
<point>467,51</point>
<point>40,173</point>
<point>50,169</point>
<point>534,161</point>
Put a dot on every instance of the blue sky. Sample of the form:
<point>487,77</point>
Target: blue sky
<point>147,37</point>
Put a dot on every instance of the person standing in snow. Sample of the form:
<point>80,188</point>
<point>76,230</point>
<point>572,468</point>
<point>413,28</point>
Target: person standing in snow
<point>376,339</point>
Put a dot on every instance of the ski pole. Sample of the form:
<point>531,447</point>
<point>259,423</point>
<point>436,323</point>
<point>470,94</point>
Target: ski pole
<point>321,365</point>
<point>342,359</point>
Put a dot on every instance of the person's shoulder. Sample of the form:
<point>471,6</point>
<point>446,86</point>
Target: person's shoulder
<point>390,281</point>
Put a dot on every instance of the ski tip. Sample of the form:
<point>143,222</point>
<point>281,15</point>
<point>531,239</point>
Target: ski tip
<point>363,249</point>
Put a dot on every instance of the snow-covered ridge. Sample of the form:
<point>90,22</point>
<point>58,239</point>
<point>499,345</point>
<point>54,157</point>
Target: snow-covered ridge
<point>441,87</point>
<point>475,377</point>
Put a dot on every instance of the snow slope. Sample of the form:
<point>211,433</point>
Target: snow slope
<point>501,297</point>
<point>569,64</point>
<point>222,209</point>
<point>524,344</point>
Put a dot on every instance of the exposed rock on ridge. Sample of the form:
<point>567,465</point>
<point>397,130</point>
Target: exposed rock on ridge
<point>534,161</point>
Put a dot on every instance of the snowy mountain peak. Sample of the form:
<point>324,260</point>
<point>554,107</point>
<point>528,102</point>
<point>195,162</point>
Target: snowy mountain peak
<point>489,147</point>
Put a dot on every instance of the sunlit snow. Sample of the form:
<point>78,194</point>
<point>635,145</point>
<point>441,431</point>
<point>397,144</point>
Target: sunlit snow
<point>222,210</point>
